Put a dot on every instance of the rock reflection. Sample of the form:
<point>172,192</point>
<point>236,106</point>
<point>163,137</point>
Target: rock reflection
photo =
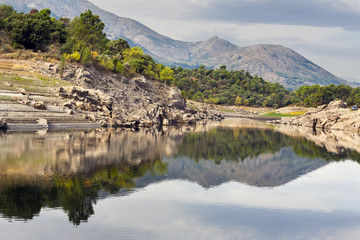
<point>81,152</point>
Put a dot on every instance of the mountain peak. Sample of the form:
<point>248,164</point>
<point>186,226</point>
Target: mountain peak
<point>214,38</point>
<point>219,43</point>
<point>211,48</point>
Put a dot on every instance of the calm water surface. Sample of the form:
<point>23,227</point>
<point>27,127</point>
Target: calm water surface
<point>240,182</point>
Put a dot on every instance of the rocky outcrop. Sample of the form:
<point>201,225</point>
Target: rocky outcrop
<point>118,101</point>
<point>89,98</point>
<point>334,116</point>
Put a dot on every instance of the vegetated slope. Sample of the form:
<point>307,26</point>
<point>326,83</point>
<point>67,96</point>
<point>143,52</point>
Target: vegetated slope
<point>220,86</point>
<point>271,62</point>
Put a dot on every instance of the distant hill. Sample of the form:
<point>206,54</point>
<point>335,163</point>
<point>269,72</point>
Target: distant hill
<point>274,63</point>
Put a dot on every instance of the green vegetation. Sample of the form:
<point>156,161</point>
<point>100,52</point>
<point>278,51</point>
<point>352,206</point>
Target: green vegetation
<point>86,31</point>
<point>33,84</point>
<point>219,86</point>
<point>35,30</point>
<point>292,114</point>
<point>7,99</point>
<point>318,95</point>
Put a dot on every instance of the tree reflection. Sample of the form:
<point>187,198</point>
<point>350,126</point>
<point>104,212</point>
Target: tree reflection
<point>76,195</point>
<point>21,202</point>
<point>236,144</point>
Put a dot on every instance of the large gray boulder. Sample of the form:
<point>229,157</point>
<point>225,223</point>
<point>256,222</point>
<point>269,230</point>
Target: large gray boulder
<point>340,104</point>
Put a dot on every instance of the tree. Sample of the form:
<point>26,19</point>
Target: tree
<point>238,101</point>
<point>87,30</point>
<point>136,62</point>
<point>35,30</point>
<point>5,12</point>
<point>117,46</point>
<point>31,31</point>
<point>166,74</point>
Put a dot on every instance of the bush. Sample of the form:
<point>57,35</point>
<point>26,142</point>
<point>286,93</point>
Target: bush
<point>117,47</point>
<point>86,57</point>
<point>74,57</point>
<point>35,30</point>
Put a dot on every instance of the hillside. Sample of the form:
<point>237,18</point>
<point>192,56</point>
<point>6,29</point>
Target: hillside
<point>271,62</point>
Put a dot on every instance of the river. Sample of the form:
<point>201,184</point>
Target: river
<point>244,180</point>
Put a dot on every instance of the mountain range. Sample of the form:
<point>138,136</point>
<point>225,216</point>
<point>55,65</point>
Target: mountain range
<point>274,63</point>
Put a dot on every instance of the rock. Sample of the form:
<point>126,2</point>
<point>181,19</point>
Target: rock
<point>68,104</point>
<point>322,107</point>
<point>43,123</point>
<point>8,84</point>
<point>191,120</point>
<point>62,92</point>
<point>70,112</point>
<point>331,116</point>
<point>68,73</point>
<point>177,104</point>
<point>80,105</point>
<point>49,65</point>
<point>141,82</point>
<point>2,123</point>
<point>22,91</point>
<point>39,105</point>
<point>92,118</point>
<point>166,122</point>
<point>336,105</point>
<point>338,126</point>
<point>115,99</point>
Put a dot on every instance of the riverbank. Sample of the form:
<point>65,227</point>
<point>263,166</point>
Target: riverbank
<point>35,94</point>
<point>333,116</point>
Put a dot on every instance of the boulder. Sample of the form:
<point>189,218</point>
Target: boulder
<point>70,112</point>
<point>80,105</point>
<point>22,91</point>
<point>336,105</point>
<point>39,105</point>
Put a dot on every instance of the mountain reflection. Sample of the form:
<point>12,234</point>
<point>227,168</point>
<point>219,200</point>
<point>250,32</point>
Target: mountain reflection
<point>73,170</point>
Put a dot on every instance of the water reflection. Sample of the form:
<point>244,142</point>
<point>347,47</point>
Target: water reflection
<point>72,171</point>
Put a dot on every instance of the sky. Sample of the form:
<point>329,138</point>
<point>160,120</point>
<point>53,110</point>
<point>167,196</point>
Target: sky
<point>326,32</point>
